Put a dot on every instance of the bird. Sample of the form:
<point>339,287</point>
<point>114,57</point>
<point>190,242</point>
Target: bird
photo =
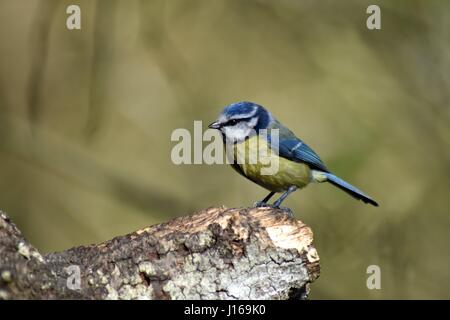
<point>242,125</point>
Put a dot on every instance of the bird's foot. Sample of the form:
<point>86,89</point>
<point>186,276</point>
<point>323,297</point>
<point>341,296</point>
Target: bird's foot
<point>261,204</point>
<point>286,210</point>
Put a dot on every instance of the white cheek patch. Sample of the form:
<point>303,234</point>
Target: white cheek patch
<point>240,131</point>
<point>236,133</point>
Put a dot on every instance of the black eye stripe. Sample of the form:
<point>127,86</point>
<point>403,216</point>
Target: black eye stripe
<point>232,122</point>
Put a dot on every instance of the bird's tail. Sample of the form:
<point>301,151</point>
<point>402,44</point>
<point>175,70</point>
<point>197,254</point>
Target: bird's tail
<point>321,176</point>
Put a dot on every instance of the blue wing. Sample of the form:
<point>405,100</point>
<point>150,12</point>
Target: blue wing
<point>298,151</point>
<point>292,148</point>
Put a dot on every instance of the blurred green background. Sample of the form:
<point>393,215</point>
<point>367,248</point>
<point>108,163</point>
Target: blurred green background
<point>86,118</point>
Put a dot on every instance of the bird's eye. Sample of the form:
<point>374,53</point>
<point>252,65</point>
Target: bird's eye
<point>232,122</point>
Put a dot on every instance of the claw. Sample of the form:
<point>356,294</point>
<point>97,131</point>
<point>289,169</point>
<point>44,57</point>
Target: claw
<point>261,204</point>
<point>286,210</point>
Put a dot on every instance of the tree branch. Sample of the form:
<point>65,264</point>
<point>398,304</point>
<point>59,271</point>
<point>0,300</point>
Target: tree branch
<point>217,253</point>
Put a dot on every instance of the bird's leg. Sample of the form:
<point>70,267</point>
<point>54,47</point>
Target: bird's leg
<point>277,203</point>
<point>263,202</point>
<point>267,198</point>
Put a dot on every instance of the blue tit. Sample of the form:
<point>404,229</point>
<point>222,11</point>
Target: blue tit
<point>242,125</point>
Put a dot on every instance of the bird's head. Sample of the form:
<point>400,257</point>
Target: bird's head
<point>241,120</point>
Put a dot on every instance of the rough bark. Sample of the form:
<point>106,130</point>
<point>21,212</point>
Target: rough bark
<point>217,253</point>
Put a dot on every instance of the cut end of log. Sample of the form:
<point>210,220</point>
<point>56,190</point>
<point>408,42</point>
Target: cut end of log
<point>217,253</point>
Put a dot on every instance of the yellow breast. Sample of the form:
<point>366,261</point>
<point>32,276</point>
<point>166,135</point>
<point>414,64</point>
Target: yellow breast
<point>263,166</point>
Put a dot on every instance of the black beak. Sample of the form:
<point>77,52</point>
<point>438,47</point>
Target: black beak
<point>214,125</point>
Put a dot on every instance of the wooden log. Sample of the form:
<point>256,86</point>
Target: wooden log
<point>217,253</point>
